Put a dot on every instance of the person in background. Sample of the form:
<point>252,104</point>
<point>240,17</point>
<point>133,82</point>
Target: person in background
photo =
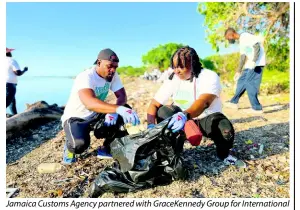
<point>87,104</point>
<point>249,72</point>
<point>196,95</point>
<point>12,72</point>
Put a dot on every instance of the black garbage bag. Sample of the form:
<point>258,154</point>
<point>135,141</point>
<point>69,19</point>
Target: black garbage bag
<point>147,159</point>
<point>109,133</point>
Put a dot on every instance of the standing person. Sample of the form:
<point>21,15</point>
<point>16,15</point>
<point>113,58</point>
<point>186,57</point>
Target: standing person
<point>196,95</point>
<point>86,106</point>
<point>249,72</point>
<point>12,72</point>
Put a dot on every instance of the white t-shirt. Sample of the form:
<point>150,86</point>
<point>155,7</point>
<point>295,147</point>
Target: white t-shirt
<point>89,79</point>
<point>11,66</point>
<point>183,92</point>
<point>247,41</point>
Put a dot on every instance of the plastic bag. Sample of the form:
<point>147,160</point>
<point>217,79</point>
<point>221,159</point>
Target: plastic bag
<point>150,158</point>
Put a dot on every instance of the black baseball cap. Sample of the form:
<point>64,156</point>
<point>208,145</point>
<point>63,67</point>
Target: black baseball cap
<point>107,54</point>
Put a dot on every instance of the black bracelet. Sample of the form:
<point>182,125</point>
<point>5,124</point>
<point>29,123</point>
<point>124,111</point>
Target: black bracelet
<point>188,115</point>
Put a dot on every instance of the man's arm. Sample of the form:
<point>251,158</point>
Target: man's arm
<point>152,111</point>
<point>91,102</point>
<point>203,102</point>
<point>121,97</point>
<point>19,72</point>
<point>242,63</point>
<point>256,48</point>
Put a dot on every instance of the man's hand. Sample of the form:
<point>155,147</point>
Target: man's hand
<point>111,119</point>
<point>236,76</point>
<point>25,69</point>
<point>177,122</point>
<point>128,115</point>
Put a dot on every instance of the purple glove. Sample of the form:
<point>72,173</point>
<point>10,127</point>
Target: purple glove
<point>128,115</point>
<point>111,119</point>
<point>177,122</point>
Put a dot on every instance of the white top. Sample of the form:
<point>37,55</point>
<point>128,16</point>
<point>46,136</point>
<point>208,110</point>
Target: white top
<point>183,91</point>
<point>89,79</point>
<point>247,41</point>
<point>11,66</point>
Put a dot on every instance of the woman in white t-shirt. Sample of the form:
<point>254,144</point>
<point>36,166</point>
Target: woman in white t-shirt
<point>196,95</point>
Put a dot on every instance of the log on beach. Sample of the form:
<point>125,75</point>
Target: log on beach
<point>32,116</point>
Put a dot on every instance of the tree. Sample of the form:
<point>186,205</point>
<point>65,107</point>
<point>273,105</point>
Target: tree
<point>160,56</point>
<point>271,19</point>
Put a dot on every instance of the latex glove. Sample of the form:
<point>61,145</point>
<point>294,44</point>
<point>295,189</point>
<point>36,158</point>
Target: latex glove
<point>150,126</point>
<point>111,119</point>
<point>177,122</point>
<point>251,64</point>
<point>236,76</point>
<point>128,115</point>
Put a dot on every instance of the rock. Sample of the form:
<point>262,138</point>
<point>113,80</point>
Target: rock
<point>269,173</point>
<point>282,159</point>
<point>240,164</point>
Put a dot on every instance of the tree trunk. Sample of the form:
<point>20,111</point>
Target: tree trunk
<point>32,116</point>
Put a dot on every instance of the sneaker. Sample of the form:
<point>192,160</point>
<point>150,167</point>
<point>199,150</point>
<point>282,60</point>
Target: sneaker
<point>68,157</point>
<point>102,153</point>
<point>253,111</point>
<point>230,160</point>
<point>228,104</point>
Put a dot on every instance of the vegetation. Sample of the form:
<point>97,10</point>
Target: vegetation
<point>268,19</point>
<point>160,56</point>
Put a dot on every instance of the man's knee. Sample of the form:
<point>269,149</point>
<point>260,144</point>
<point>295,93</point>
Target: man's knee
<point>227,130</point>
<point>78,146</point>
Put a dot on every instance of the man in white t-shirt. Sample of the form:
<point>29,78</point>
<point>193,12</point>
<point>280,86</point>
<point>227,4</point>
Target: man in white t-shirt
<point>87,110</point>
<point>12,72</point>
<point>196,95</point>
<point>252,62</point>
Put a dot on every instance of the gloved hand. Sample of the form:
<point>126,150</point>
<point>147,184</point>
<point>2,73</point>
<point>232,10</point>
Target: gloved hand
<point>177,122</point>
<point>26,68</point>
<point>251,65</point>
<point>150,126</point>
<point>128,115</point>
<point>111,119</point>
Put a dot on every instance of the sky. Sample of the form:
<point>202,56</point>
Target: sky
<point>62,39</point>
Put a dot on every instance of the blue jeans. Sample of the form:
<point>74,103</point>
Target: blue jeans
<point>249,80</point>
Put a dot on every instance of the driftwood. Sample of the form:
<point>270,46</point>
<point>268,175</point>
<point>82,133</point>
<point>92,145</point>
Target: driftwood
<point>33,115</point>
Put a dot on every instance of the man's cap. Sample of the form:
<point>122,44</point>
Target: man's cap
<point>9,50</point>
<point>107,54</point>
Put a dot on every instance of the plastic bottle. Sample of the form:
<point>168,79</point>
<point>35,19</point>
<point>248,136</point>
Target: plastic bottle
<point>44,168</point>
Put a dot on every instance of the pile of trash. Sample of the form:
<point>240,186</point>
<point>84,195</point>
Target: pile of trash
<point>157,75</point>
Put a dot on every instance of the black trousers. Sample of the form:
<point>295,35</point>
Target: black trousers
<point>78,130</point>
<point>10,97</point>
<point>215,126</point>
